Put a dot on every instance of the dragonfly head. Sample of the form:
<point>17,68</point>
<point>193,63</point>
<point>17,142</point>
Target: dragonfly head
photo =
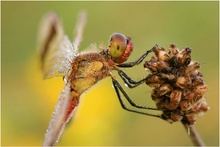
<point>120,47</point>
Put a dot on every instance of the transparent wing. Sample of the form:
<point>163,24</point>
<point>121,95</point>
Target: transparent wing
<point>55,49</point>
<point>78,32</point>
<point>62,114</point>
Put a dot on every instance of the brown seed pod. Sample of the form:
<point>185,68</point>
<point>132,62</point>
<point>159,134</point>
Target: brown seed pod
<point>175,96</point>
<point>178,85</point>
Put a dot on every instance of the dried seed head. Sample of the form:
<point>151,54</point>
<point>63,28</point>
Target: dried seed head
<point>185,105</point>
<point>197,81</point>
<point>184,56</point>
<point>175,117</point>
<point>178,85</point>
<point>173,50</point>
<point>154,80</point>
<point>164,89</point>
<point>169,77</point>
<point>183,82</point>
<point>160,53</point>
<point>193,68</point>
<point>152,66</point>
<point>171,105</point>
<point>175,96</point>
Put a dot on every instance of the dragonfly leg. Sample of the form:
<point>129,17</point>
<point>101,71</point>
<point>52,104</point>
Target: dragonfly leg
<point>131,64</point>
<point>130,82</point>
<point>119,89</point>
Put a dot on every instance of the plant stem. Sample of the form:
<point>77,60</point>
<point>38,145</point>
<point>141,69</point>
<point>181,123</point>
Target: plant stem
<point>194,135</point>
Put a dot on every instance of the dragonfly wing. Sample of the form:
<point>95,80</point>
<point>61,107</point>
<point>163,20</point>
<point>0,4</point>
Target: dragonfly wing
<point>79,28</point>
<point>62,114</point>
<point>55,49</point>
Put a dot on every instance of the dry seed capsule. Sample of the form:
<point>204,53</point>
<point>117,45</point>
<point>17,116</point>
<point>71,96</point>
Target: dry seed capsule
<point>165,88</point>
<point>154,59</point>
<point>199,74</point>
<point>196,103</point>
<point>193,68</point>
<point>154,93</point>
<point>169,77</point>
<point>160,102</point>
<point>175,96</point>
<point>154,80</point>
<point>183,82</point>
<point>167,116</point>
<point>197,106</point>
<point>163,66</point>
<point>151,65</point>
<point>197,81</point>
<point>161,54</point>
<point>200,90</point>
<point>171,105</point>
<point>203,108</point>
<point>183,57</point>
<point>186,56</point>
<point>176,117</point>
<point>173,50</point>
<point>191,118</point>
<point>185,105</point>
<point>188,94</point>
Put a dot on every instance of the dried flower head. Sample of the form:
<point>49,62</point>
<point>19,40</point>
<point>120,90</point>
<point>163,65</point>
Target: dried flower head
<point>178,84</point>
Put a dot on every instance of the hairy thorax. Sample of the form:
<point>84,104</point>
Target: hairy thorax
<point>88,69</point>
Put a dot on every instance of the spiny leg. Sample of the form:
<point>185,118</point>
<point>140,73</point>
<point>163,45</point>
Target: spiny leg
<point>131,64</point>
<point>130,82</point>
<point>119,89</point>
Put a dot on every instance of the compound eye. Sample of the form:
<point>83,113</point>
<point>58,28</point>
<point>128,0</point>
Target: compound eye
<point>117,45</point>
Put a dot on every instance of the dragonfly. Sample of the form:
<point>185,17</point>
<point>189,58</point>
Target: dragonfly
<point>81,70</point>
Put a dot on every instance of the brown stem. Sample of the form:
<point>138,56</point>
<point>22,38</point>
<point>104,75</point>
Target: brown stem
<point>194,135</point>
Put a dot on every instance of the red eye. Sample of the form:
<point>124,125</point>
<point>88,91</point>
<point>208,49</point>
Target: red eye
<point>120,47</point>
<point>117,45</point>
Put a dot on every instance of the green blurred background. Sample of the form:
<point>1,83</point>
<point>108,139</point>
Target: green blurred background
<point>28,101</point>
